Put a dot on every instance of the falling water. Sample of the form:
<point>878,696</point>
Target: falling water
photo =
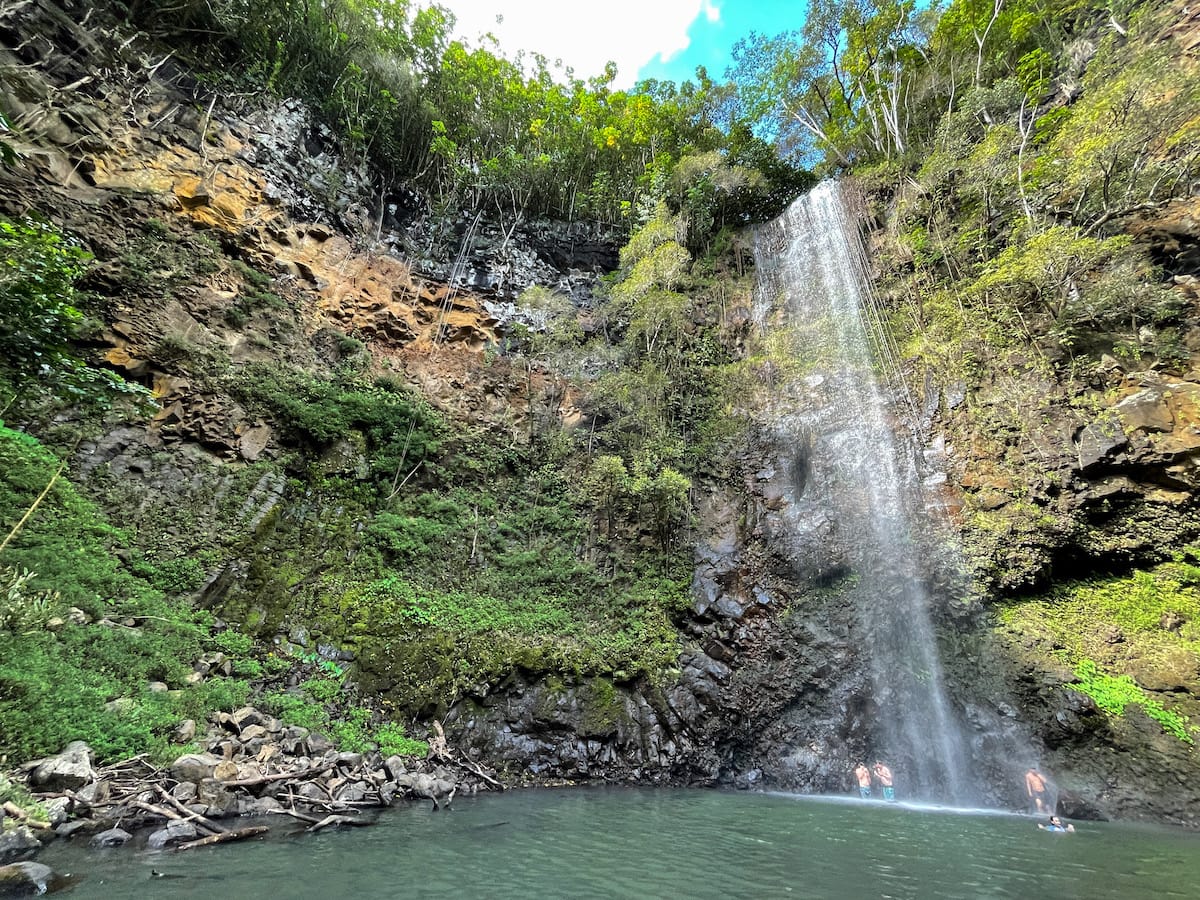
<point>855,488</point>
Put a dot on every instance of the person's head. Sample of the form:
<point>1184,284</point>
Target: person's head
<point>1055,820</point>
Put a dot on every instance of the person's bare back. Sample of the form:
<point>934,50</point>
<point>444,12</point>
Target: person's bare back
<point>1035,788</point>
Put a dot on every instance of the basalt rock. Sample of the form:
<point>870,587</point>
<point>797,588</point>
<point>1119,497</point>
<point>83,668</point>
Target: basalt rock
<point>26,879</point>
<point>18,843</point>
<point>70,770</point>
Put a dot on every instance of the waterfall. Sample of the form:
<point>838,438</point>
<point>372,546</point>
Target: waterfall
<point>855,494</point>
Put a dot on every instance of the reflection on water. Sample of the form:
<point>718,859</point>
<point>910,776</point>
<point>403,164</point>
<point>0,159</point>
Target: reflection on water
<point>631,843</point>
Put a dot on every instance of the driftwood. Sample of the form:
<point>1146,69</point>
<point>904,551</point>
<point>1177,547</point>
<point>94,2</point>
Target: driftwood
<point>164,813</point>
<point>303,775</point>
<point>479,773</point>
<point>334,819</point>
<point>324,790</point>
<point>439,749</point>
<point>207,824</point>
<point>225,837</point>
<point>17,813</point>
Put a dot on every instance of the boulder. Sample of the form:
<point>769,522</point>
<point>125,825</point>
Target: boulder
<point>185,732</point>
<point>352,792</point>
<point>26,879</point>
<point>68,771</point>
<point>68,829</point>
<point>18,843</point>
<point>114,837</point>
<point>58,810</point>
<point>194,767</point>
<point>174,834</point>
<point>216,798</point>
<point>318,744</point>
<point>262,806</point>
<point>253,732</point>
<point>439,790</point>
<point>95,793</point>
<point>395,767</point>
<point>245,717</point>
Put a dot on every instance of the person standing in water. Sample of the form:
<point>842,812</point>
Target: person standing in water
<point>863,775</point>
<point>884,774</point>
<point>1035,789</point>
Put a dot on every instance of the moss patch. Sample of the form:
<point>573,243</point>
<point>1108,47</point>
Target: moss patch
<point>1123,636</point>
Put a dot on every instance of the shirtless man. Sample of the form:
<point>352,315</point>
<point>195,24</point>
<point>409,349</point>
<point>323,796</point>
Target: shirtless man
<point>863,775</point>
<point>884,774</point>
<point>1035,788</point>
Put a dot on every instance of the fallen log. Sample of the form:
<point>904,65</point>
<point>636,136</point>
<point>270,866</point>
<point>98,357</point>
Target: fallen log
<point>225,837</point>
<point>17,813</point>
<point>303,775</point>
<point>478,772</point>
<point>208,824</point>
<point>337,820</point>
<point>165,813</point>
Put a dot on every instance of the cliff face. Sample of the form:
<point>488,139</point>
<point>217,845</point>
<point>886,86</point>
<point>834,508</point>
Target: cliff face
<point>235,246</point>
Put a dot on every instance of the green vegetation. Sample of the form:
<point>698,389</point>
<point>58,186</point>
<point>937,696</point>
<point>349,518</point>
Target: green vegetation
<point>40,317</point>
<point>83,673</point>
<point>319,706</point>
<point>1114,694</point>
<point>519,138</point>
<point>1146,623</point>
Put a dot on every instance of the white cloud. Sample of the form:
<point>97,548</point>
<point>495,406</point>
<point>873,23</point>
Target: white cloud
<point>631,33</point>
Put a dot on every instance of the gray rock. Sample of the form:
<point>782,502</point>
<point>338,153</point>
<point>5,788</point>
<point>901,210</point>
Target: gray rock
<point>352,792</point>
<point>395,767</point>
<point>68,771</point>
<point>26,879</point>
<point>253,732</point>
<point>185,732</point>
<point>95,793</point>
<point>245,717</point>
<point>219,801</point>
<point>68,829</point>
<point>261,806</point>
<point>58,810</point>
<point>1145,411</point>
<point>18,843</point>
<point>174,834</point>
<point>114,837</point>
<point>318,744</point>
<point>194,767</point>
<point>1098,443</point>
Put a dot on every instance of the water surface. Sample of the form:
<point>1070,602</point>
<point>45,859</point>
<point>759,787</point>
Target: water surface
<point>639,843</point>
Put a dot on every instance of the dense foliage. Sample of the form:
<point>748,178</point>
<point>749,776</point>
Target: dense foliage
<point>516,138</point>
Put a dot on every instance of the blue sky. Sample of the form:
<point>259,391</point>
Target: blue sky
<point>664,39</point>
<point>710,42</point>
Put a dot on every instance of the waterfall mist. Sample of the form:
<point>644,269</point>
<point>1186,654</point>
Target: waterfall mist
<point>855,510</point>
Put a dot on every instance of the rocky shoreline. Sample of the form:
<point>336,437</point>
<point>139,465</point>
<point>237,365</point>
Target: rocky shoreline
<point>251,765</point>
